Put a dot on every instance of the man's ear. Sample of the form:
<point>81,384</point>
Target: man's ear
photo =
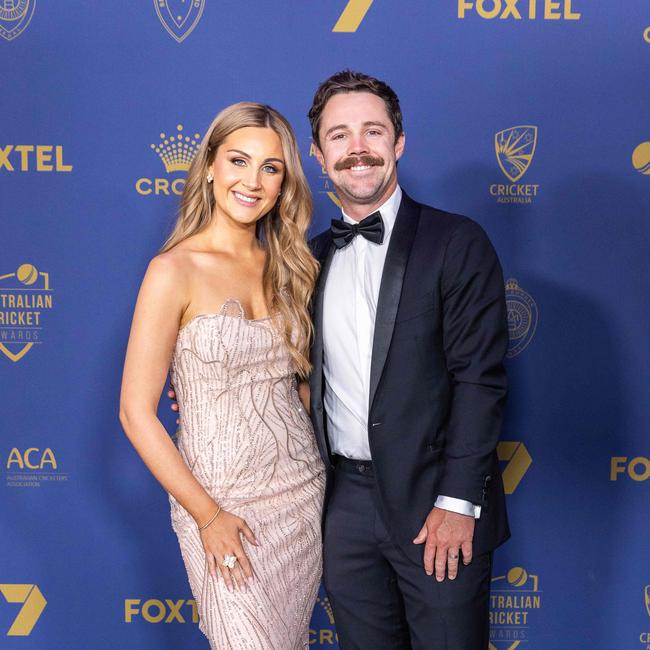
<point>319,155</point>
<point>399,146</point>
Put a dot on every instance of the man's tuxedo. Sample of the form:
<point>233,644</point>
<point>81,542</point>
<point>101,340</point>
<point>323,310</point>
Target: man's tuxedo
<point>437,382</point>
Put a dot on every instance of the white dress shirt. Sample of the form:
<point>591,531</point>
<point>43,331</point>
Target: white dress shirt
<point>349,310</point>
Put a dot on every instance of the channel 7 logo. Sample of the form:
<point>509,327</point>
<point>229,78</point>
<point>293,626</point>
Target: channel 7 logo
<point>33,605</point>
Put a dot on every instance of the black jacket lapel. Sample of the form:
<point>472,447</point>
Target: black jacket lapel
<point>390,289</point>
<point>324,256</point>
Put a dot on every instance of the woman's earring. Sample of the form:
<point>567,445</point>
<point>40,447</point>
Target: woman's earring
<point>209,177</point>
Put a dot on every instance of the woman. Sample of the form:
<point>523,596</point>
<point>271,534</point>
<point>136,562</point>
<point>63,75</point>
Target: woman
<point>224,307</point>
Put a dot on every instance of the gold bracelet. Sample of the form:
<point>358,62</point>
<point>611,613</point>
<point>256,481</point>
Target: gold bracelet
<point>214,516</point>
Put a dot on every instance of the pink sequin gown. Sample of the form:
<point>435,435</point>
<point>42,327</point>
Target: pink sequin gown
<point>248,440</point>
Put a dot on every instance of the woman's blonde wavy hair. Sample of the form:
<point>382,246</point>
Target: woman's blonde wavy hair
<point>290,270</point>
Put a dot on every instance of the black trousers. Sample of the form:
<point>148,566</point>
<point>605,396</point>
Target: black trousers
<point>381,599</point>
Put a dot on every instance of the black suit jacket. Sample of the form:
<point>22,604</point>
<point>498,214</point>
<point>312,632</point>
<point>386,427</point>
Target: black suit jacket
<point>437,381</point>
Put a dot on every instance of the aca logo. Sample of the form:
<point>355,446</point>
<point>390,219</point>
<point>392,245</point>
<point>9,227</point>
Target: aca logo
<point>519,9</point>
<point>33,604</point>
<point>641,158</point>
<point>33,157</point>
<point>517,460</point>
<point>512,599</point>
<point>15,16</point>
<point>322,631</point>
<point>515,148</point>
<point>638,469</point>
<point>179,17</point>
<point>326,186</point>
<point>154,610</point>
<point>522,318</point>
<point>32,467</point>
<point>176,153</point>
<point>25,295</point>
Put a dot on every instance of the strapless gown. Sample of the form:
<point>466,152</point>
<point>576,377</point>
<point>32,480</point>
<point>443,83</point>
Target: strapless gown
<point>248,440</point>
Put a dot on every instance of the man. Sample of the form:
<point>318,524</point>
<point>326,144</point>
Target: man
<point>407,391</point>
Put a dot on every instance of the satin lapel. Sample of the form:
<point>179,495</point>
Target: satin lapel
<point>390,289</point>
<point>317,357</point>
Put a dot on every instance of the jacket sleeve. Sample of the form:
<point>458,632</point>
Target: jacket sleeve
<point>475,339</point>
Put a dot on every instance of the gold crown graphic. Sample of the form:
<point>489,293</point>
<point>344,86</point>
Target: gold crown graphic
<point>177,151</point>
<point>512,284</point>
<point>325,604</point>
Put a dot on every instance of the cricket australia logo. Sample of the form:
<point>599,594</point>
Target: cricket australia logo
<point>515,148</point>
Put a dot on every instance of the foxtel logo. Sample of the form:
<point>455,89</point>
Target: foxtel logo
<point>157,611</point>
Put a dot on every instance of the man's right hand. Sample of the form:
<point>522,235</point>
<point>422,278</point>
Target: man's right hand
<point>174,405</point>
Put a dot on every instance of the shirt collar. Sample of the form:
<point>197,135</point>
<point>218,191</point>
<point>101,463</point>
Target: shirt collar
<point>388,211</point>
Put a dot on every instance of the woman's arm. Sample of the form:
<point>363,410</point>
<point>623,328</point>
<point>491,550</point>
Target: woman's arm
<point>151,342</point>
<point>161,303</point>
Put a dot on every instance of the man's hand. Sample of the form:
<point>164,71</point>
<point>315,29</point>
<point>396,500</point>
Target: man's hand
<point>446,534</point>
<point>174,405</point>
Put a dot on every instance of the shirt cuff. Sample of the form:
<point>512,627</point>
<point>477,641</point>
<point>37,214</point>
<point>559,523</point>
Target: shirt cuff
<point>460,506</point>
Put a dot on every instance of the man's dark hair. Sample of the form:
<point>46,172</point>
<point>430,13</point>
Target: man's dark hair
<point>348,81</point>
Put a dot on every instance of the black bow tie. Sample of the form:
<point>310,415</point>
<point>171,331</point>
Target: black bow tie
<point>372,228</point>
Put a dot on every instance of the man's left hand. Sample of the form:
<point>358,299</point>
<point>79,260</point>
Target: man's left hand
<point>446,534</point>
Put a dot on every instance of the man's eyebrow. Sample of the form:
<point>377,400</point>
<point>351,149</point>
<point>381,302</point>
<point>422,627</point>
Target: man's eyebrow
<point>345,126</point>
<point>375,124</point>
<point>335,128</point>
<point>245,155</point>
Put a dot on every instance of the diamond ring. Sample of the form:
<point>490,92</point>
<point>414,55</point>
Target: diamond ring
<point>229,561</point>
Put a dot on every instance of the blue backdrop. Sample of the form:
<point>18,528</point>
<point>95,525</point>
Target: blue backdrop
<point>530,116</point>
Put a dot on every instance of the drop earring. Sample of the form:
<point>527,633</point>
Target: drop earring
<point>209,177</point>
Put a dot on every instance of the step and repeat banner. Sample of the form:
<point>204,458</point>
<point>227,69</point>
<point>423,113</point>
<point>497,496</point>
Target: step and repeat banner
<point>530,116</point>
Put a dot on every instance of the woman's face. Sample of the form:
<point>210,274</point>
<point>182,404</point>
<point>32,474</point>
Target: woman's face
<point>248,169</point>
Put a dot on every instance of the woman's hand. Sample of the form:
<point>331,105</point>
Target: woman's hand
<point>223,537</point>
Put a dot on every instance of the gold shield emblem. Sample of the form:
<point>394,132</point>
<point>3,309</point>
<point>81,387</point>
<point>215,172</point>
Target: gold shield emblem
<point>15,15</point>
<point>24,296</point>
<point>179,17</point>
<point>647,599</point>
<point>515,148</point>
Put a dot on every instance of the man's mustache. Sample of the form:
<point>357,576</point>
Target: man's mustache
<point>353,161</point>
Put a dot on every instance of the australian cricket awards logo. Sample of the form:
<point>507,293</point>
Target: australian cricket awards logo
<point>179,17</point>
<point>522,318</point>
<point>15,16</point>
<point>321,630</point>
<point>326,186</point>
<point>513,598</point>
<point>515,148</point>
<point>25,296</point>
<point>176,153</point>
